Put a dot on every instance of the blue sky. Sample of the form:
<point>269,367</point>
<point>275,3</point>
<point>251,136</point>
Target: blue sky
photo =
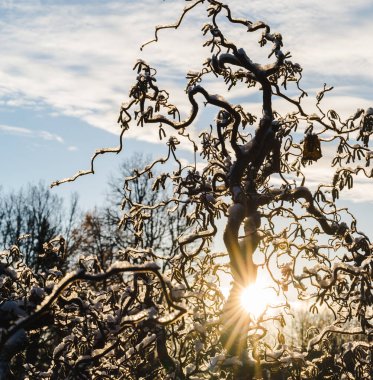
<point>66,67</point>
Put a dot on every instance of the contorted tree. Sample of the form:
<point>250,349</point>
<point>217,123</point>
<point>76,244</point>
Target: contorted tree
<point>60,327</point>
<point>256,179</point>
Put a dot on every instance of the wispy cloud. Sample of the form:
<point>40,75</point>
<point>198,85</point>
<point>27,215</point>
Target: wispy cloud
<point>77,57</point>
<point>15,130</point>
<point>50,136</point>
<point>25,132</point>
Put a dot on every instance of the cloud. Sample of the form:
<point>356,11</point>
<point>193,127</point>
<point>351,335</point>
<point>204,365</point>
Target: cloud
<point>15,130</point>
<point>50,136</point>
<point>80,66</point>
<point>77,57</point>
<point>25,132</point>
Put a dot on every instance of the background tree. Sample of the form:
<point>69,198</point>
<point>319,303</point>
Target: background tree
<point>96,235</point>
<point>162,228</point>
<point>106,233</point>
<point>32,217</point>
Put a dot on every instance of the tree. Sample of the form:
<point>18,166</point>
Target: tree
<point>161,229</point>
<point>32,217</point>
<point>133,323</point>
<point>106,233</point>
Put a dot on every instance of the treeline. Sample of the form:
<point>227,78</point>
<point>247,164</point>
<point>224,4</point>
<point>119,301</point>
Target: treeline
<point>33,216</point>
<point>43,240</point>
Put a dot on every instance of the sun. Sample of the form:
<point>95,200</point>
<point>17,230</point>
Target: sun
<point>257,297</point>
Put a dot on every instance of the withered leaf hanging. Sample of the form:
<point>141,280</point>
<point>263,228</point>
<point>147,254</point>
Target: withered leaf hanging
<point>311,147</point>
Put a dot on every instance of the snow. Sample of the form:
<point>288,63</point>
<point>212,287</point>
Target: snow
<point>332,329</point>
<point>148,340</point>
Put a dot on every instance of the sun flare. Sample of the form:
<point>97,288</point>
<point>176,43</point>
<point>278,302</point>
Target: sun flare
<point>256,297</point>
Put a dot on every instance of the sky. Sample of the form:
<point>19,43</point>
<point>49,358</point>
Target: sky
<point>66,67</point>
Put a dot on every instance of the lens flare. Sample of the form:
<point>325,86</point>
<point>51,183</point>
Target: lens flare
<point>256,297</point>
